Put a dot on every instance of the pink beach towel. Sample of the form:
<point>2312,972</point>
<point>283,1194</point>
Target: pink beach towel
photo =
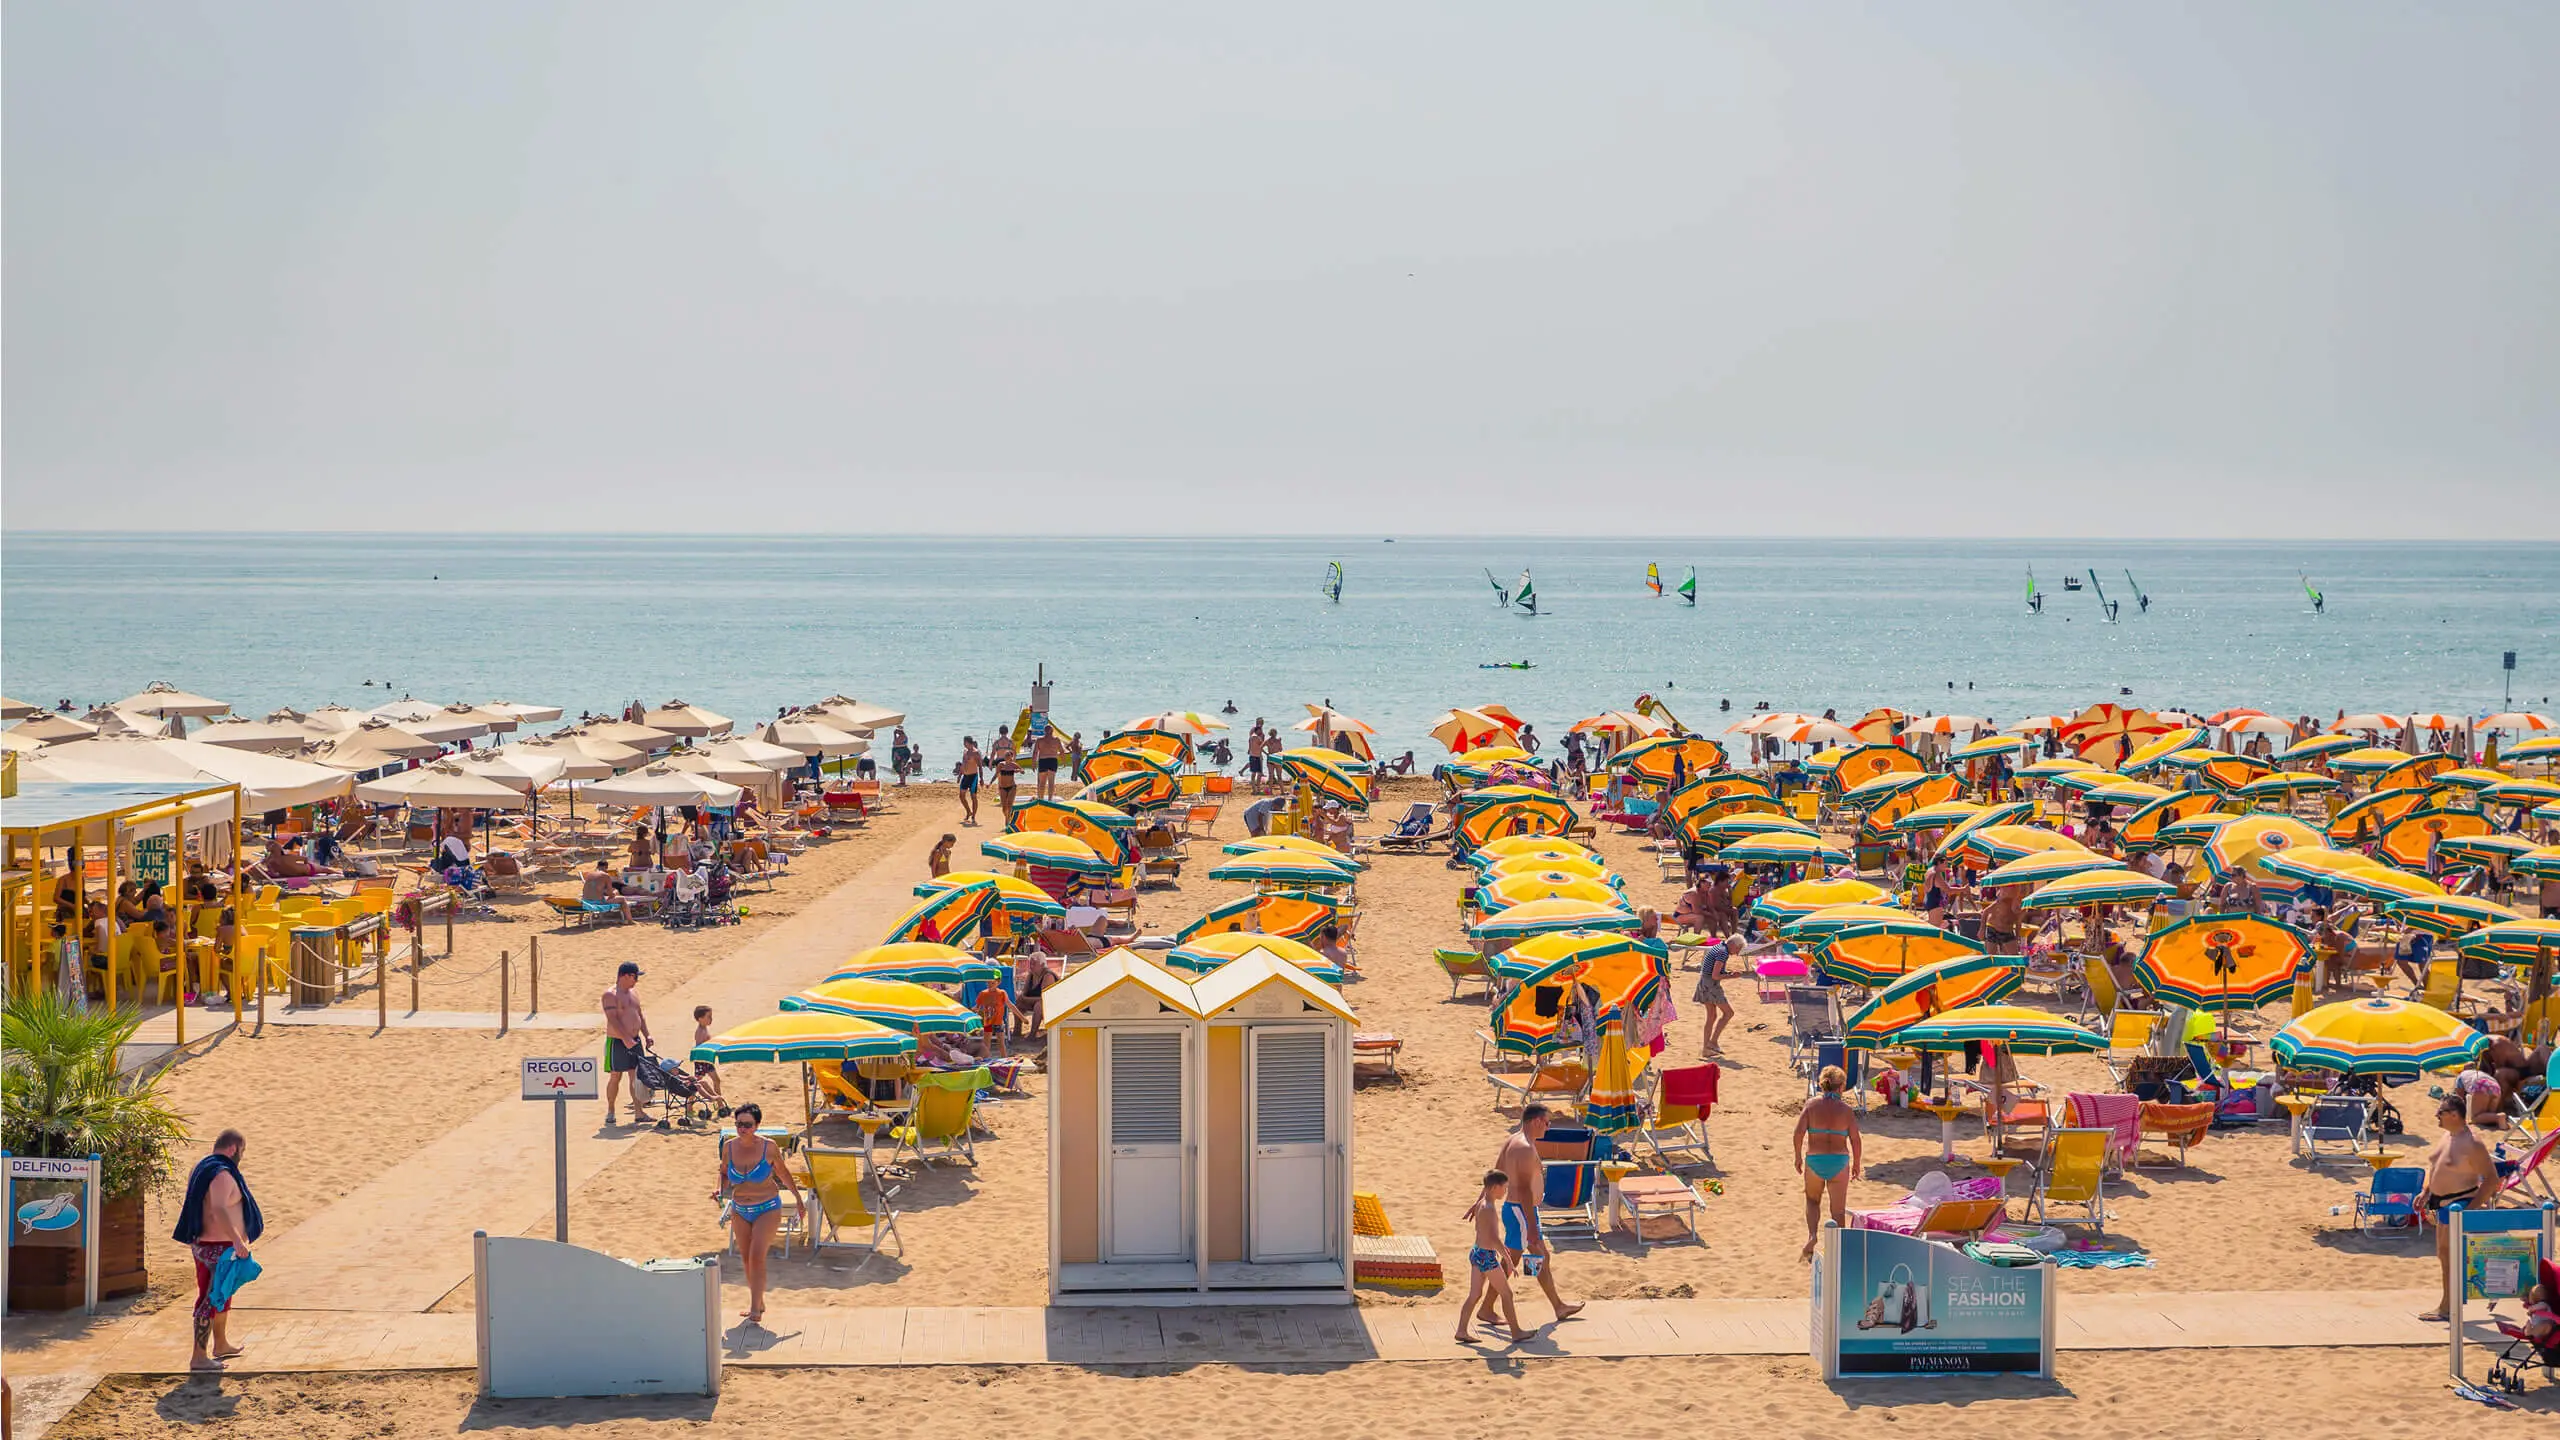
<point>2119,1113</point>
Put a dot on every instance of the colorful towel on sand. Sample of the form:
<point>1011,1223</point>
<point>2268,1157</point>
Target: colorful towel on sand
<point>2102,1259</point>
<point>1903,1216</point>
<point>2119,1113</point>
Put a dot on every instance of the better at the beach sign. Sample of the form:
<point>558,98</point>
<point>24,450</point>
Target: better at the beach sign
<point>1887,1304</point>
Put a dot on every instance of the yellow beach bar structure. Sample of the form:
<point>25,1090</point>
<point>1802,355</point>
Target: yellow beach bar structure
<point>92,836</point>
<point>1199,1134</point>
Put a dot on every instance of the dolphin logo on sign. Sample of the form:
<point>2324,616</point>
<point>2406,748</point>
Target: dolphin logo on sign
<point>54,1212</point>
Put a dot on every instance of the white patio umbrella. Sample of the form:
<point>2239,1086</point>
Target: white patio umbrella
<point>745,774</point>
<point>242,733</point>
<point>382,735</point>
<point>267,782</point>
<point>523,713</point>
<point>350,755</point>
<point>53,729</point>
<point>663,784</point>
<point>807,735</point>
<point>626,732</point>
<point>443,786</point>
<point>162,698</point>
<point>2258,725</point>
<point>676,717</point>
<point>763,754</point>
<point>580,757</point>
<point>12,740</point>
<point>332,717</point>
<point>515,767</point>
<point>846,713</point>
<point>1945,725</point>
<point>405,710</point>
<point>112,721</point>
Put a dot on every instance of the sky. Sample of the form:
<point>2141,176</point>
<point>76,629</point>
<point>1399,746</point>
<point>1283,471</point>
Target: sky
<point>2289,267</point>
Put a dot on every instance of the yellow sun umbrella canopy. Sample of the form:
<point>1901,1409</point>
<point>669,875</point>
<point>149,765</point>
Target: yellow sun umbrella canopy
<point>895,1004</point>
<point>1670,757</point>
<point>1016,895</point>
<point>1486,815</point>
<point>1295,844</point>
<point>2378,1036</point>
<point>2000,844</point>
<point>1508,890</point>
<point>917,962</point>
<point>1504,866</point>
<point>1103,764</point>
<point>2223,962</point>
<point>1542,917</point>
<point>2141,829</point>
<point>1782,847</point>
<point>1924,994</point>
<point>1549,846</point>
<point>1109,831</point>
<point>1207,952</point>
<point>1861,763</point>
<point>1290,914</point>
<point>947,916</point>
<point>2247,842</point>
<point>809,1035</point>
<point>1791,902</point>
<point>2411,840</point>
<point>1877,953</point>
<point>1048,849</point>
<point>2160,747</point>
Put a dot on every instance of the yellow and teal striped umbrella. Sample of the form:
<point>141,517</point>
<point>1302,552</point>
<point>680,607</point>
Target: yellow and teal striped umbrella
<point>2521,793</point>
<point>1625,974</point>
<point>1169,747</point>
<point>2223,962</point>
<point>2046,865</point>
<point>1205,953</point>
<point>1519,889</point>
<point>1544,952</point>
<point>2485,849</point>
<point>2447,916</point>
<point>1326,781</point>
<point>918,962</point>
<point>1877,789</point>
<point>1783,847</point>
<point>2247,842</point>
<point>2222,772</point>
<point>2058,765</point>
<point>2000,844</point>
<point>2028,1032</point>
<point>2111,886</point>
<point>1613,1106</point>
<point>2367,814</point>
<point>1050,850</point>
<point>892,1003</point>
<point>2467,780</point>
<point>1952,843</point>
<point>1014,895</point>
<point>2127,792</point>
<point>1503,866</point>
<point>1693,821</point>
<point>2540,747</point>
<point>1946,814</point>
<point>1874,954</point>
<point>2141,829</point>
<point>804,1035</point>
<point>1832,919</point>
<point>1743,827</point>
<point>1723,786</point>
<point>1295,844</point>
<point>2084,781</point>
<point>1105,763</point>
<point>2196,829</point>
<point>1931,991</point>
<point>1861,763</point>
<point>2512,940</point>
<point>2367,759</point>
<point>2414,773</point>
<point>947,916</point>
<point>1989,746</point>
<point>2378,1036</point>
<point>1544,846</point>
<point>1285,867</point>
<point>1110,831</point>
<point>2285,784</point>
<point>1510,810</point>
<point>1138,789</point>
<point>2317,747</point>
<point>1547,917</point>
<point>2160,747</point>
<point>1794,902</point>
<point>2543,863</point>
<point>1290,914</point>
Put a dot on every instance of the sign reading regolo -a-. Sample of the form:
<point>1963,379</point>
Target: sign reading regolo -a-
<point>568,1077</point>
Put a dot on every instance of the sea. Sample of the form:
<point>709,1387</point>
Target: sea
<point>954,631</point>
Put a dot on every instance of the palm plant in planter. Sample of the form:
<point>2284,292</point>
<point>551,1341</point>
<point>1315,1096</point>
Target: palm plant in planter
<point>61,1095</point>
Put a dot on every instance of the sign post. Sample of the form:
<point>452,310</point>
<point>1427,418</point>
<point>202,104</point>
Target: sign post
<point>560,1080</point>
<point>2493,1254</point>
<point>52,1204</point>
<point>1889,1304</point>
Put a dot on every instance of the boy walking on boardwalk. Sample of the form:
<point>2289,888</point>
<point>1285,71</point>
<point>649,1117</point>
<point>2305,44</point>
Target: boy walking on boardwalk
<point>1489,1261</point>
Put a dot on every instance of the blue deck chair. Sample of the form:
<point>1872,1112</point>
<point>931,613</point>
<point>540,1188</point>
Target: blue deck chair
<point>2393,1200</point>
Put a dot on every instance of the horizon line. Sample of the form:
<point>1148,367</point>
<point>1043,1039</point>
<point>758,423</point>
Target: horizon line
<point>1265,538</point>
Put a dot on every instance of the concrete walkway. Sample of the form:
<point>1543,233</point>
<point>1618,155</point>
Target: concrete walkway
<point>313,1340</point>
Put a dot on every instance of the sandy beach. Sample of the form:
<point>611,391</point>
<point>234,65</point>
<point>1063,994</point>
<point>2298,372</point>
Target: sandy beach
<point>2243,1214</point>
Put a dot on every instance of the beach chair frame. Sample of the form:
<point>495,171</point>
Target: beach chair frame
<point>2392,1199</point>
<point>828,1221</point>
<point>2054,1188</point>
<point>2340,1120</point>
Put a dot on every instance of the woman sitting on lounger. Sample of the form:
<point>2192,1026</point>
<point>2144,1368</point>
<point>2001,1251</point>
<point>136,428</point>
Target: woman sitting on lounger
<point>1828,1153</point>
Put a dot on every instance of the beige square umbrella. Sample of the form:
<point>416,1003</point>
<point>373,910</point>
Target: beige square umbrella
<point>663,784</point>
<point>242,733</point>
<point>112,721</point>
<point>17,709</point>
<point>626,732</point>
<point>162,698</point>
<point>763,754</point>
<point>12,740</point>
<point>267,782</point>
<point>522,712</point>
<point>805,734</point>
<point>382,735</point>
<point>860,716</point>
<point>580,757</point>
<point>53,729</point>
<point>443,786</point>
<point>745,774</point>
<point>490,721</point>
<point>439,730</point>
<point>677,717</point>
<point>515,767</point>
<point>330,718</point>
<point>351,756</point>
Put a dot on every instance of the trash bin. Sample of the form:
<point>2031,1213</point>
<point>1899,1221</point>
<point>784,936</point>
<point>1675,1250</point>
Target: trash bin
<point>315,964</point>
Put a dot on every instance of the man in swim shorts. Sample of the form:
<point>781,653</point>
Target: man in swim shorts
<point>2461,1171</point>
<point>625,1031</point>
<point>1045,751</point>
<point>1519,1162</point>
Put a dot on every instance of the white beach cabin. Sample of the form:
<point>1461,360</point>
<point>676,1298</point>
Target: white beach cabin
<point>1199,1134</point>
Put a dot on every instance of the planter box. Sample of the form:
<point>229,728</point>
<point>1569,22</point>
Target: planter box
<point>52,1279</point>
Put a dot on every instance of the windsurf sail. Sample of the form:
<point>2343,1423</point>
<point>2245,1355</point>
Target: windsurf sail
<point>1333,581</point>
<point>2319,602</point>
<point>2104,603</point>
<point>1689,585</point>
<point>1653,578</point>
<point>2035,597</point>
<point>1500,595</point>
<point>2139,599</point>
<point>1525,594</point>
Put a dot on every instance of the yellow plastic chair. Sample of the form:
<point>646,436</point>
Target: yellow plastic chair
<point>1804,805</point>
<point>2444,985</point>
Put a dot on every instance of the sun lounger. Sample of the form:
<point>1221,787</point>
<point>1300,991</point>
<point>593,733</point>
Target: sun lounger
<point>835,1178</point>
<point>1463,965</point>
<point>1811,1018</point>
<point>1553,1081</point>
<point>944,1121</point>
<point>2119,1115</point>
<point>2128,1036</point>
<point>1375,1047</point>
<point>1676,1130</point>
<point>2073,1173</point>
<point>1962,1219</point>
<point>2179,1125</point>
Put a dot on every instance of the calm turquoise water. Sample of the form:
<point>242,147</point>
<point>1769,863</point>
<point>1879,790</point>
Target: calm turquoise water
<point>951,629</point>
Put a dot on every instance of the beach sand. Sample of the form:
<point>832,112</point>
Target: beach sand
<point>2114,1395</point>
<point>326,1108</point>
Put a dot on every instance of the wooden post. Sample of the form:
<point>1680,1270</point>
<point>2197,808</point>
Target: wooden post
<point>533,977</point>
<point>262,995</point>
<point>502,992</point>
<point>115,931</point>
<point>382,988</point>
<point>448,925</point>
<point>417,962</point>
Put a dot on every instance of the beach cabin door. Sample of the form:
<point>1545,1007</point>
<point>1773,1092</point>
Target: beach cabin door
<point>1291,1173</point>
<point>1143,1148</point>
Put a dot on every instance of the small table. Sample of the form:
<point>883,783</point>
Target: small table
<point>1611,1173</point>
<point>1946,1114</point>
<point>2380,1159</point>
<point>2297,1106</point>
<point>872,1123</point>
<point>2000,1165</point>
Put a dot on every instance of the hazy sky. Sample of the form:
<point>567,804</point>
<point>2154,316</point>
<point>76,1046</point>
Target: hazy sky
<point>2143,269</point>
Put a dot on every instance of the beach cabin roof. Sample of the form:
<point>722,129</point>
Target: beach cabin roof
<point>1143,990</point>
<point>1228,988</point>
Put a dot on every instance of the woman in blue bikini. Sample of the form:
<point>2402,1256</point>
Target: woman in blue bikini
<point>753,1176</point>
<point>1828,1153</point>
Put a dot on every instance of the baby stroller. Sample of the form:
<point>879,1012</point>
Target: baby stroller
<point>2522,1353</point>
<point>674,1082</point>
